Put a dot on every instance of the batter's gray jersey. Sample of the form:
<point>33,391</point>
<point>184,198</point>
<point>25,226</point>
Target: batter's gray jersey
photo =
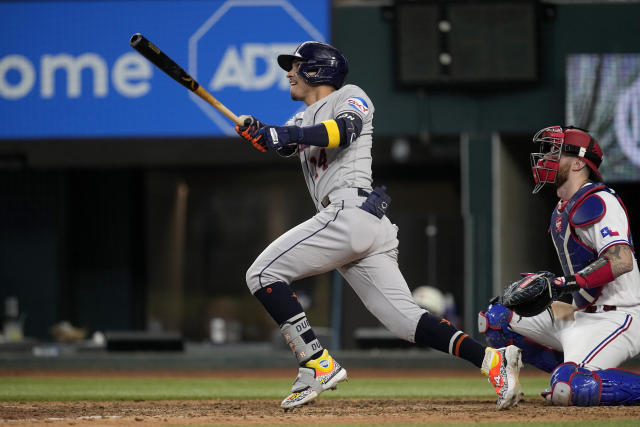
<point>329,169</point>
<point>361,246</point>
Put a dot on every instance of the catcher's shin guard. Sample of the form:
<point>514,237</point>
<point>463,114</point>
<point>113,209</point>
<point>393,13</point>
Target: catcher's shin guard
<point>571,385</point>
<point>494,323</point>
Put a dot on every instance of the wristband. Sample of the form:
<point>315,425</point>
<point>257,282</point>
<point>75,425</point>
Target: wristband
<point>594,275</point>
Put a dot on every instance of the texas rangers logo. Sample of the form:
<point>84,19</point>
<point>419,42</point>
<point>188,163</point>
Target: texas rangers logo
<point>359,104</point>
<point>606,232</point>
<point>558,224</point>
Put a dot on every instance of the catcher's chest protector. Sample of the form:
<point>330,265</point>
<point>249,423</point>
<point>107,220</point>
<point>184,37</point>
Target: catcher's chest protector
<point>574,255</point>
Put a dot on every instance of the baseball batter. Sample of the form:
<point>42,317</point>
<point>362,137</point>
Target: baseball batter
<point>350,231</point>
<point>600,329</point>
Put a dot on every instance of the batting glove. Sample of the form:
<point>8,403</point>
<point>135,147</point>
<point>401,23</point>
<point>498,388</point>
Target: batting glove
<point>251,132</point>
<point>281,136</point>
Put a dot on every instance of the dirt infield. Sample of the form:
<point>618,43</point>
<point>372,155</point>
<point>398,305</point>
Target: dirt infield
<point>323,412</point>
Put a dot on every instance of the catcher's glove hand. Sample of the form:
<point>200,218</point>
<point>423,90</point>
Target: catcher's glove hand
<point>530,295</point>
<point>251,132</point>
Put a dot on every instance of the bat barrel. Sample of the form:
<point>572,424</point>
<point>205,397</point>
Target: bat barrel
<point>173,70</point>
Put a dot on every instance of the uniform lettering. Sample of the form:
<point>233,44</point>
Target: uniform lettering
<point>320,163</point>
<point>302,326</point>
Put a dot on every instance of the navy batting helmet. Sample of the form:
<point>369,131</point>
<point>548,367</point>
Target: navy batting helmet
<point>321,64</point>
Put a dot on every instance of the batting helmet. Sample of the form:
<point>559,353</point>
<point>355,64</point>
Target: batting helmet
<point>321,64</point>
<point>554,141</point>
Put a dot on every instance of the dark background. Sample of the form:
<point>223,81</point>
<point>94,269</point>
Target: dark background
<point>158,233</point>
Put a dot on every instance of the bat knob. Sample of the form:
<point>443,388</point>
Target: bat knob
<point>246,120</point>
<point>135,39</point>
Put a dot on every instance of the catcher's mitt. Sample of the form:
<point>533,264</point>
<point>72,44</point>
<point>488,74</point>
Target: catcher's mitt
<point>530,295</point>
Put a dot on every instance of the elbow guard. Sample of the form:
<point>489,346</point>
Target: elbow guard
<point>333,133</point>
<point>349,126</point>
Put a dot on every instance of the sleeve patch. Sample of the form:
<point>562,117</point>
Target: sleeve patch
<point>591,210</point>
<point>606,231</point>
<point>359,104</point>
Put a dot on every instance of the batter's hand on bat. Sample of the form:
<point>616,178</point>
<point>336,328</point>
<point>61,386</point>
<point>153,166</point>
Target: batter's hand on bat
<point>251,132</point>
<point>281,136</point>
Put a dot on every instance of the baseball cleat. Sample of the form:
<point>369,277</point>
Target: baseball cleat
<point>502,367</point>
<point>314,377</point>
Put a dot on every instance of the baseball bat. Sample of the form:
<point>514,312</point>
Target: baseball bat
<point>173,70</point>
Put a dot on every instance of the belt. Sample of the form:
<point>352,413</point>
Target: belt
<point>326,201</point>
<point>597,308</point>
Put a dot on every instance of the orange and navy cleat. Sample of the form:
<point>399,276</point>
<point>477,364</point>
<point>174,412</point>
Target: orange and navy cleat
<point>502,367</point>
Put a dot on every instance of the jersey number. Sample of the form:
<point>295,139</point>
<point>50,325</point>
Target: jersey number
<point>320,162</point>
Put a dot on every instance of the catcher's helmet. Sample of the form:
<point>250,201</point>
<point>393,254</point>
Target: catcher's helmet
<point>321,64</point>
<point>554,141</point>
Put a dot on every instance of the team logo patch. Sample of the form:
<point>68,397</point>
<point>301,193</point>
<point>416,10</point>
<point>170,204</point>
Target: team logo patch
<point>558,224</point>
<point>324,363</point>
<point>359,104</point>
<point>606,232</point>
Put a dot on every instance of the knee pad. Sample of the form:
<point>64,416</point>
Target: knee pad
<point>494,323</point>
<point>561,384</point>
<point>572,385</point>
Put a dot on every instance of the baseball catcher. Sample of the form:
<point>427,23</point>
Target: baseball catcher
<point>581,343</point>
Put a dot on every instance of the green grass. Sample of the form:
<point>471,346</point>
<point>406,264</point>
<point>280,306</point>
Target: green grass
<point>68,389</point>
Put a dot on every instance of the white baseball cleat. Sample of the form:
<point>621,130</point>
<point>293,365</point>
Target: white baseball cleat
<point>502,367</point>
<point>314,377</point>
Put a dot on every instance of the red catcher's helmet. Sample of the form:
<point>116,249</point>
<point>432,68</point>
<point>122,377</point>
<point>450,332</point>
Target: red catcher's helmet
<point>554,141</point>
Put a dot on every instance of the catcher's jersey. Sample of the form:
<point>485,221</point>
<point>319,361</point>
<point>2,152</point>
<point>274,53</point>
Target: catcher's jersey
<point>328,169</point>
<point>612,228</point>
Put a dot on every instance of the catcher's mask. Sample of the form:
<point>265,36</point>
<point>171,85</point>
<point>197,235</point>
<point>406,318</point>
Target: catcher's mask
<point>554,141</point>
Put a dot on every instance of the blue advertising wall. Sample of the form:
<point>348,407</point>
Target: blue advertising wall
<point>67,70</point>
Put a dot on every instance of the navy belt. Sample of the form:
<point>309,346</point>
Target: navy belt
<point>326,202</point>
